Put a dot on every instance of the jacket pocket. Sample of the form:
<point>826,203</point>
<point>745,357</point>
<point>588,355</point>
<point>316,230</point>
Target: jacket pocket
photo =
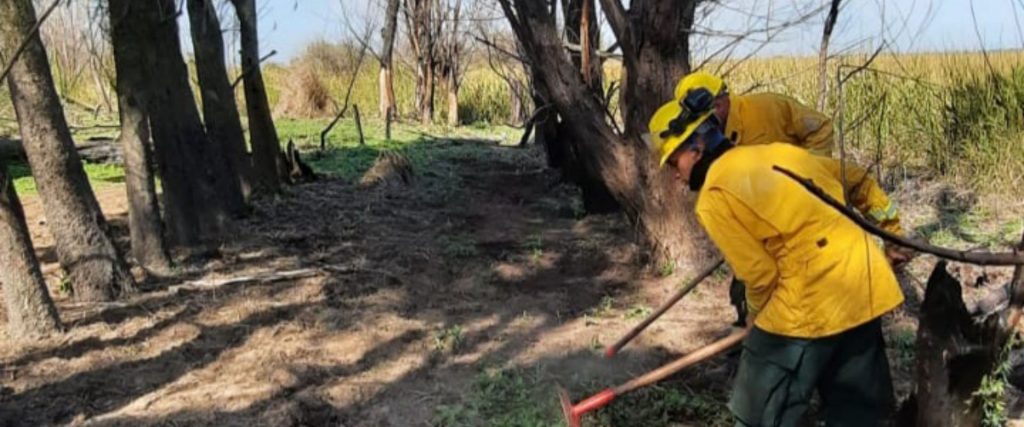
<point>768,368</point>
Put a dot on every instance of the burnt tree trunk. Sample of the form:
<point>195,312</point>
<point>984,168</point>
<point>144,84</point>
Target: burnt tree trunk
<point>145,40</point>
<point>30,311</point>
<point>624,163</point>
<point>578,14</point>
<point>386,78</point>
<point>96,270</point>
<point>144,224</point>
<point>267,158</point>
<point>953,354</point>
<point>581,18</point>
<point>220,111</point>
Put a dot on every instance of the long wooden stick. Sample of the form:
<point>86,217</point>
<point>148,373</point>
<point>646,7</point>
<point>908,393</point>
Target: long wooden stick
<point>979,258</point>
<point>614,348</point>
<point>574,413</point>
<point>695,357</point>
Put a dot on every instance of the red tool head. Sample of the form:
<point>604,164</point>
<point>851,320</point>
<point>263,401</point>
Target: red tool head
<point>572,419</point>
<point>574,413</point>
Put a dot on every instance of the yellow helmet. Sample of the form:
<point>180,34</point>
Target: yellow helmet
<point>699,79</point>
<point>677,120</point>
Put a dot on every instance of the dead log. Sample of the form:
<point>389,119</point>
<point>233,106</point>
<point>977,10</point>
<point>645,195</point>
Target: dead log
<point>92,150</point>
<point>390,168</point>
<point>954,353</point>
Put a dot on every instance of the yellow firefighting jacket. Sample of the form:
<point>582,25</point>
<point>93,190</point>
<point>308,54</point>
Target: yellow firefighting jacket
<point>810,272</point>
<point>763,118</point>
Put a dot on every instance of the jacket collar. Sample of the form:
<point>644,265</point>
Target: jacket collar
<point>734,123</point>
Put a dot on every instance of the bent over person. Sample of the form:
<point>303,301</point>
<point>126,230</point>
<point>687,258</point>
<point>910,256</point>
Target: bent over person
<point>756,119</point>
<point>816,283</point>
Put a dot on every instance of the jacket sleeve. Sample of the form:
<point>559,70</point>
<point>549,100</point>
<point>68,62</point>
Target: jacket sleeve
<point>739,234</point>
<point>866,195</point>
<point>810,128</point>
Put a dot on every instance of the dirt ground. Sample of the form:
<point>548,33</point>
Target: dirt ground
<point>407,295</point>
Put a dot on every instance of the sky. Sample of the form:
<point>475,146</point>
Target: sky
<point>905,25</point>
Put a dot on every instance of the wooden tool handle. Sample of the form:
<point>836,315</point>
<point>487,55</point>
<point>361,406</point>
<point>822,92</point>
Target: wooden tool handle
<point>614,348</point>
<point>697,356</point>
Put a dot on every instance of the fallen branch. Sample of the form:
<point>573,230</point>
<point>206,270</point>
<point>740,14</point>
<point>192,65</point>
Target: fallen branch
<point>238,79</point>
<point>268,277</point>
<point>980,258</point>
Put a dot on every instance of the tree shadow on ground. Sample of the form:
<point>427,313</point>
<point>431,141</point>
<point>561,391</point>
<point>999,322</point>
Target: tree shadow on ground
<point>91,393</point>
<point>472,261</point>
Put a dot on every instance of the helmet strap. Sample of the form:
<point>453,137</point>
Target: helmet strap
<point>715,144</point>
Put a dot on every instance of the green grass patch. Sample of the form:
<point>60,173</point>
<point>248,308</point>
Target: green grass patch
<point>428,148</point>
<point>100,175</point>
<point>524,398</point>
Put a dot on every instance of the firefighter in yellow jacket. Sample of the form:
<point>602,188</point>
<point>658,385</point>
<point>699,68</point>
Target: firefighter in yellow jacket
<point>764,118</point>
<point>816,283</point>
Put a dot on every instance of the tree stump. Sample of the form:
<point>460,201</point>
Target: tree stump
<point>390,168</point>
<point>954,353</point>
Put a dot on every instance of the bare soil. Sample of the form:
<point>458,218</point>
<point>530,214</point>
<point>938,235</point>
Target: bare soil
<point>412,292</point>
<point>485,246</point>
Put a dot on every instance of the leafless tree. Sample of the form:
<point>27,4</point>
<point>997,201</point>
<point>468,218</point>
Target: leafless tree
<point>451,46</point>
<point>268,161</point>
<point>388,105</point>
<point>653,37</point>
<point>220,110</point>
<point>423,29</point>
<point>197,186</point>
<point>826,35</point>
<point>96,270</point>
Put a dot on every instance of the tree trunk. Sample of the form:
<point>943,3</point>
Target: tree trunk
<point>145,226</point>
<point>826,35</point>
<point>145,40</point>
<point>624,163</point>
<point>387,85</point>
<point>423,44</point>
<point>266,149</point>
<point>453,101</point>
<point>220,111</point>
<point>30,311</point>
<point>95,268</point>
<point>425,77</point>
<point>148,246</point>
<point>579,16</point>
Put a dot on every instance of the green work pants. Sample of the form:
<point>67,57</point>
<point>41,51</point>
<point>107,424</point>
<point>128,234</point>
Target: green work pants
<point>778,374</point>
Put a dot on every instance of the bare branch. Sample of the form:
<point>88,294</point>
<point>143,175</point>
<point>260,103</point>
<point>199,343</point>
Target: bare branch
<point>601,53</point>
<point>619,22</point>
<point>979,258</point>
<point>238,79</point>
<point>28,39</point>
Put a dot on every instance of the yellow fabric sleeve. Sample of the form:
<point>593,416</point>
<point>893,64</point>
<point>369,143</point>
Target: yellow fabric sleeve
<point>866,195</point>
